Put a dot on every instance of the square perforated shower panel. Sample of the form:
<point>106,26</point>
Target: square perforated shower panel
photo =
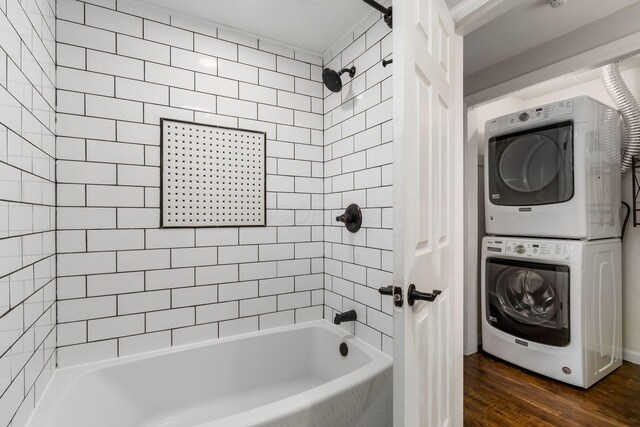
<point>212,176</point>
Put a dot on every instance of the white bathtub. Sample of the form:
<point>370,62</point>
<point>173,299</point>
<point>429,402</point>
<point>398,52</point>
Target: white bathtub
<point>293,376</point>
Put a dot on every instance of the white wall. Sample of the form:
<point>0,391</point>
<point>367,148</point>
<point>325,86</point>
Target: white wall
<point>27,205</point>
<point>589,84</point>
<point>573,47</point>
<point>358,156</point>
<point>126,286</point>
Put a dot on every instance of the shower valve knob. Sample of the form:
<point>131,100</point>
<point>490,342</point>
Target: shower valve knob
<point>352,218</point>
<point>345,217</point>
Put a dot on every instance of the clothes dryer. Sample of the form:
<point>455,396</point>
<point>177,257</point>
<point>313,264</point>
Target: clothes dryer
<point>554,171</point>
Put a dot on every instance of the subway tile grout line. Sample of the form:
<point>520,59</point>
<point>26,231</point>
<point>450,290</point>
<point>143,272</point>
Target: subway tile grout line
<point>320,227</point>
<point>217,25</point>
<point>229,319</point>
<point>33,137</point>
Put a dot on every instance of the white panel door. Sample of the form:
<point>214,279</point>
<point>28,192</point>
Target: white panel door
<point>428,214</point>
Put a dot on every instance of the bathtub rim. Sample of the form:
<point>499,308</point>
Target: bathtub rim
<point>63,378</point>
<point>322,323</point>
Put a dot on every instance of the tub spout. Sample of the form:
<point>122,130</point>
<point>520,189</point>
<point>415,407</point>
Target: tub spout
<point>347,316</point>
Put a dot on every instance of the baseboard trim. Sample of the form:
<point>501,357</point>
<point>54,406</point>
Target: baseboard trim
<point>631,356</point>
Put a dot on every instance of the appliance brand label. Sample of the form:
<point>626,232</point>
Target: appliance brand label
<point>525,209</point>
<point>493,319</point>
<point>524,343</point>
<point>495,196</point>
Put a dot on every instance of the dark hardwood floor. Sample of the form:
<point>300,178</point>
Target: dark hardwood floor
<point>499,394</point>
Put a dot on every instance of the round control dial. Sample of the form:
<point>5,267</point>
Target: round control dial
<point>520,249</point>
<point>524,117</point>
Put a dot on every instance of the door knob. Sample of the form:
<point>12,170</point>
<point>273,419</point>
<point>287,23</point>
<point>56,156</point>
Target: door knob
<point>395,291</point>
<point>413,295</point>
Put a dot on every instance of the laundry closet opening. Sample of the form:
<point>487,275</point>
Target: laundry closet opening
<point>550,246</point>
<point>551,288</point>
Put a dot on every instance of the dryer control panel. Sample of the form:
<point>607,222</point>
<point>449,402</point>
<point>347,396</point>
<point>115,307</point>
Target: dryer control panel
<point>555,109</point>
<point>528,249</point>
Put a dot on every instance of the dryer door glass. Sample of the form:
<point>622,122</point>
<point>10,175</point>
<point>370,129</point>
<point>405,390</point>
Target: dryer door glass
<point>532,167</point>
<point>528,300</point>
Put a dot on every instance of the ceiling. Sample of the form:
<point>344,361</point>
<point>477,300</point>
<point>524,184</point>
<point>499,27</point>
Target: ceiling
<point>572,79</point>
<point>453,3</point>
<point>528,25</point>
<point>314,25</point>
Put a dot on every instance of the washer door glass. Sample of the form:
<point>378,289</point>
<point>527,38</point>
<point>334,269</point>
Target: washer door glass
<point>528,300</point>
<point>532,167</point>
<point>526,296</point>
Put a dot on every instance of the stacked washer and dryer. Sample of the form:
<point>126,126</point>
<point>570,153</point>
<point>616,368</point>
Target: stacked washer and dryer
<point>551,265</point>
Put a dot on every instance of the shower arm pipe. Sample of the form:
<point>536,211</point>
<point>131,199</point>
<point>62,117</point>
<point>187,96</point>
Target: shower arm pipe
<point>351,71</point>
<point>374,4</point>
<point>386,11</point>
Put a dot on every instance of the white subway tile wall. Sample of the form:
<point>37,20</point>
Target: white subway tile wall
<point>126,286</point>
<point>27,205</point>
<point>358,169</point>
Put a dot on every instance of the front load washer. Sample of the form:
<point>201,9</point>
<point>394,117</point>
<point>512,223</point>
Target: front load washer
<point>554,171</point>
<point>553,306</point>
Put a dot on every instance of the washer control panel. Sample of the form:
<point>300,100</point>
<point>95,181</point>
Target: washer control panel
<point>555,109</point>
<point>528,249</point>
